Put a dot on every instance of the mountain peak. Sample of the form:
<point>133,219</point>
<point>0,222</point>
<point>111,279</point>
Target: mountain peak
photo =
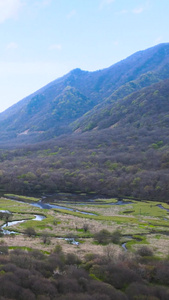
<point>60,103</point>
<point>76,71</point>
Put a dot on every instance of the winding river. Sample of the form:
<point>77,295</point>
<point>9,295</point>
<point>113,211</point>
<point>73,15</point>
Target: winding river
<point>12,223</point>
<point>41,204</point>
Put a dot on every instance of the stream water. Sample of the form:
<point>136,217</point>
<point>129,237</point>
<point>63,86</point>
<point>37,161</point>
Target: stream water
<point>81,199</point>
<point>12,223</point>
<point>130,237</point>
<point>124,246</point>
<point>43,205</point>
<point>162,207</point>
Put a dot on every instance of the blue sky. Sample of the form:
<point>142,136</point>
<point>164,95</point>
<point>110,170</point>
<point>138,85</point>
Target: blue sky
<point>41,40</point>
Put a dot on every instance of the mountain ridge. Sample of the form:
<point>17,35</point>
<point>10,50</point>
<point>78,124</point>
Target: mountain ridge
<point>55,109</point>
<point>68,141</point>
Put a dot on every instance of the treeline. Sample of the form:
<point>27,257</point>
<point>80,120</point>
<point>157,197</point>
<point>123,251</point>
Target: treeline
<point>34,275</point>
<point>114,162</point>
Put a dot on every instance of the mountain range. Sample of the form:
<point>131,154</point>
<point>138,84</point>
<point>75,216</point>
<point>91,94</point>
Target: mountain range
<point>82,100</point>
<point>102,132</point>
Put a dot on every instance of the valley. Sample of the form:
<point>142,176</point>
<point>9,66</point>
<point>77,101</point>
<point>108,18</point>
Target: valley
<point>84,150</point>
<point>84,185</point>
<point>136,224</point>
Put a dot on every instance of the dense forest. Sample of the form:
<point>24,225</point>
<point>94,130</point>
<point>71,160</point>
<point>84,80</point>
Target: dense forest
<point>111,162</point>
<point>34,275</point>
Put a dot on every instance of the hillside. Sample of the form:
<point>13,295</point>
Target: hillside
<point>57,108</point>
<point>147,107</point>
<point>76,136</point>
<point>126,156</point>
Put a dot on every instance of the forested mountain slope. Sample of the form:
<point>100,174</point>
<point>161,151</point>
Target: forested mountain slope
<point>103,132</point>
<point>148,107</point>
<point>127,155</point>
<point>58,107</point>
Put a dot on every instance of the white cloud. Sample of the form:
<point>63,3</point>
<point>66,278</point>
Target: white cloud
<point>9,9</point>
<point>123,12</point>
<point>12,45</point>
<point>71,14</point>
<point>46,2</point>
<point>105,2</point>
<point>42,3</point>
<point>141,9</point>
<point>55,47</point>
<point>138,10</point>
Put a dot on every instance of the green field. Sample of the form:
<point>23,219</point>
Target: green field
<point>139,223</point>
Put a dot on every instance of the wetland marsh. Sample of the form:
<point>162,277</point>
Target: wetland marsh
<point>139,223</point>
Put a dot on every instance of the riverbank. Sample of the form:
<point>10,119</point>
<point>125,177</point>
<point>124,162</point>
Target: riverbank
<point>131,218</point>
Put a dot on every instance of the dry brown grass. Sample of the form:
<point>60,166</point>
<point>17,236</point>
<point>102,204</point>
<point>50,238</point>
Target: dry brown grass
<point>62,224</point>
<point>109,210</point>
<point>72,223</point>
<point>81,250</point>
<point>159,245</point>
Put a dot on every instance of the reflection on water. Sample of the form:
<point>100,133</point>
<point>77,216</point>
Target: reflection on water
<point>124,246</point>
<point>43,205</point>
<point>69,240</point>
<point>162,207</point>
<point>12,223</point>
<point>5,231</point>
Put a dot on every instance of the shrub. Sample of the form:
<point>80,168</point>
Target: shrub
<point>145,251</point>
<point>58,249</point>
<point>46,238</point>
<point>3,248</point>
<point>103,236</point>
<point>72,259</point>
<point>85,227</point>
<point>30,231</point>
<point>115,236</point>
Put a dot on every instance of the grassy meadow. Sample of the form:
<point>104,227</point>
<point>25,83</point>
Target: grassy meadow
<point>139,223</point>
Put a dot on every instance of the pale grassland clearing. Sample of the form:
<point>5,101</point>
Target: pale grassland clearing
<point>30,243</point>
<point>130,219</point>
<point>159,245</point>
